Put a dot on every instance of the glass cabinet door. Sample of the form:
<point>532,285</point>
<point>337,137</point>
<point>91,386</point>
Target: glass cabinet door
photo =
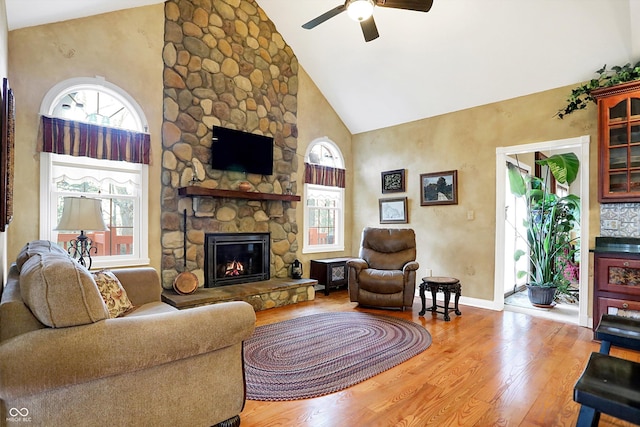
<point>620,149</point>
<point>618,112</point>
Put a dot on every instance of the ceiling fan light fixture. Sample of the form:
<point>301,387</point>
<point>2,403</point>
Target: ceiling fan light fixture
<point>360,10</point>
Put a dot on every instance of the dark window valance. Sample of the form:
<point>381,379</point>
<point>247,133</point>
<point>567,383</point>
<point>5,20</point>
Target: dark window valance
<point>62,136</point>
<point>324,175</point>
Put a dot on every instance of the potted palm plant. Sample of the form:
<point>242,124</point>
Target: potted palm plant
<point>549,221</point>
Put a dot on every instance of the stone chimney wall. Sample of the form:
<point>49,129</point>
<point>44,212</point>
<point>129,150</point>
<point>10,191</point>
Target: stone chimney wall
<point>225,65</point>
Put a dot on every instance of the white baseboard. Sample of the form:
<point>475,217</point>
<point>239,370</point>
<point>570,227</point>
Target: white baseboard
<point>473,302</point>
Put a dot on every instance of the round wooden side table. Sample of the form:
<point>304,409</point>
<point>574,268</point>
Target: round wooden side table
<point>447,285</point>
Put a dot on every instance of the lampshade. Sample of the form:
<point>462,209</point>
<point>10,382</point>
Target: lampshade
<point>360,10</point>
<point>81,213</point>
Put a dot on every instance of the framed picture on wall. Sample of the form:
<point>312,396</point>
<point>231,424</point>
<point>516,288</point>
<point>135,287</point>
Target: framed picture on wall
<point>393,181</point>
<point>439,188</point>
<point>393,211</point>
<point>7,138</point>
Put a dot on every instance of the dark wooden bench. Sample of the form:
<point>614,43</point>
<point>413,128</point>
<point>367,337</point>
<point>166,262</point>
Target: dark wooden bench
<point>618,331</point>
<point>610,385</point>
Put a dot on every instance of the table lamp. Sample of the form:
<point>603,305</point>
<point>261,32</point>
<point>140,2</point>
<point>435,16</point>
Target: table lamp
<point>84,214</point>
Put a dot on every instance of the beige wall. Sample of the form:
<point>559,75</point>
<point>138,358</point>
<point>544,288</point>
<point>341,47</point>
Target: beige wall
<point>448,243</point>
<point>317,119</point>
<point>123,47</point>
<point>4,49</point>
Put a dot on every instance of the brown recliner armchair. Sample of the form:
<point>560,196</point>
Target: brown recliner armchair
<point>385,273</point>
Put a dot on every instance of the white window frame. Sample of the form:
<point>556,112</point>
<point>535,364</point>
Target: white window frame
<point>140,255</point>
<point>48,202</point>
<point>338,244</point>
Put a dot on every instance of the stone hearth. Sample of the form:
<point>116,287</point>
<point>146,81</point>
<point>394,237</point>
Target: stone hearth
<point>261,295</point>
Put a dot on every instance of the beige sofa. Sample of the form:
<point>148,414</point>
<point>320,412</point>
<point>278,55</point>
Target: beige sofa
<point>64,362</point>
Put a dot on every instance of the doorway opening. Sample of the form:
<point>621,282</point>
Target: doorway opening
<point>514,211</point>
<point>580,146</point>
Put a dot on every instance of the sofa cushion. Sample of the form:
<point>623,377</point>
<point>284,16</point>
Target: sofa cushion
<point>38,247</point>
<point>60,292</point>
<point>113,294</point>
<point>155,307</point>
<point>381,281</point>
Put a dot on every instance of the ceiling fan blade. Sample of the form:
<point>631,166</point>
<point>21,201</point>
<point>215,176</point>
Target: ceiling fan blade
<point>324,17</point>
<point>419,5</point>
<point>369,29</point>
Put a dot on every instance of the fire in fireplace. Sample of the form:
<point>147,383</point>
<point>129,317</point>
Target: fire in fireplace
<point>232,258</point>
<point>234,268</point>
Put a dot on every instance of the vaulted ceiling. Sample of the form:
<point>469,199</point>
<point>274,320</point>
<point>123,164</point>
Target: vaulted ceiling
<point>461,54</point>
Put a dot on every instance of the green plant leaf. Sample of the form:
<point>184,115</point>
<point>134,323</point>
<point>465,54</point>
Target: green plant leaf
<point>516,181</point>
<point>564,167</point>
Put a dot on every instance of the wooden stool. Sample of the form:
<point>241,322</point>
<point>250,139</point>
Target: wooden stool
<point>445,284</point>
<point>608,385</point>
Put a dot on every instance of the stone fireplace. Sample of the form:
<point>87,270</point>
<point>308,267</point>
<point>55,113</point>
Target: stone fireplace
<point>225,64</point>
<point>232,258</point>
<point>244,261</point>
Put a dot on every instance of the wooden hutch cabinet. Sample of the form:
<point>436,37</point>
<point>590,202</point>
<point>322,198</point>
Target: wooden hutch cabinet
<point>619,143</point>
<point>616,277</point>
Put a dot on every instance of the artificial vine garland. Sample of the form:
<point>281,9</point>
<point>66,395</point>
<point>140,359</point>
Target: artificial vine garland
<point>581,95</point>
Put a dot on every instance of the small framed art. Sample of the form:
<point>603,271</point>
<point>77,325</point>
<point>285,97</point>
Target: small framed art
<point>440,188</point>
<point>393,211</point>
<point>393,181</point>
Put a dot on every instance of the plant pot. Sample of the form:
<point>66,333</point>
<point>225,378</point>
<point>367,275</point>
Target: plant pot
<point>541,296</point>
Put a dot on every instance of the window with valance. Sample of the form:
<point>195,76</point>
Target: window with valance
<point>324,197</point>
<point>323,175</point>
<point>73,138</point>
<point>94,142</point>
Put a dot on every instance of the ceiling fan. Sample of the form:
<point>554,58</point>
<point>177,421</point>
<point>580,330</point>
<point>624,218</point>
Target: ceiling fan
<point>362,11</point>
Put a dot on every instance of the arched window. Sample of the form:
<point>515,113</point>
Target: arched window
<point>324,152</point>
<point>94,100</point>
<point>122,186</point>
<point>324,197</point>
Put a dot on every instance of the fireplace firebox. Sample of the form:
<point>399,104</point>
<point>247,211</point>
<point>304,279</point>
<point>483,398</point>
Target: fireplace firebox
<point>231,258</point>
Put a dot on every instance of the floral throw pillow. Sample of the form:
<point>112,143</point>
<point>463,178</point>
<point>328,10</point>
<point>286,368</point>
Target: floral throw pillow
<point>113,294</point>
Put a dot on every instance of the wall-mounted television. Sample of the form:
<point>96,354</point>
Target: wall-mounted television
<point>235,150</point>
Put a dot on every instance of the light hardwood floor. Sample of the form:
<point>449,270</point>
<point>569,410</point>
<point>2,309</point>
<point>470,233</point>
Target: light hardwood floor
<point>484,368</point>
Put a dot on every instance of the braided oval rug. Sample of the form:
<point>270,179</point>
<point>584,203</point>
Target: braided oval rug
<point>323,353</point>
